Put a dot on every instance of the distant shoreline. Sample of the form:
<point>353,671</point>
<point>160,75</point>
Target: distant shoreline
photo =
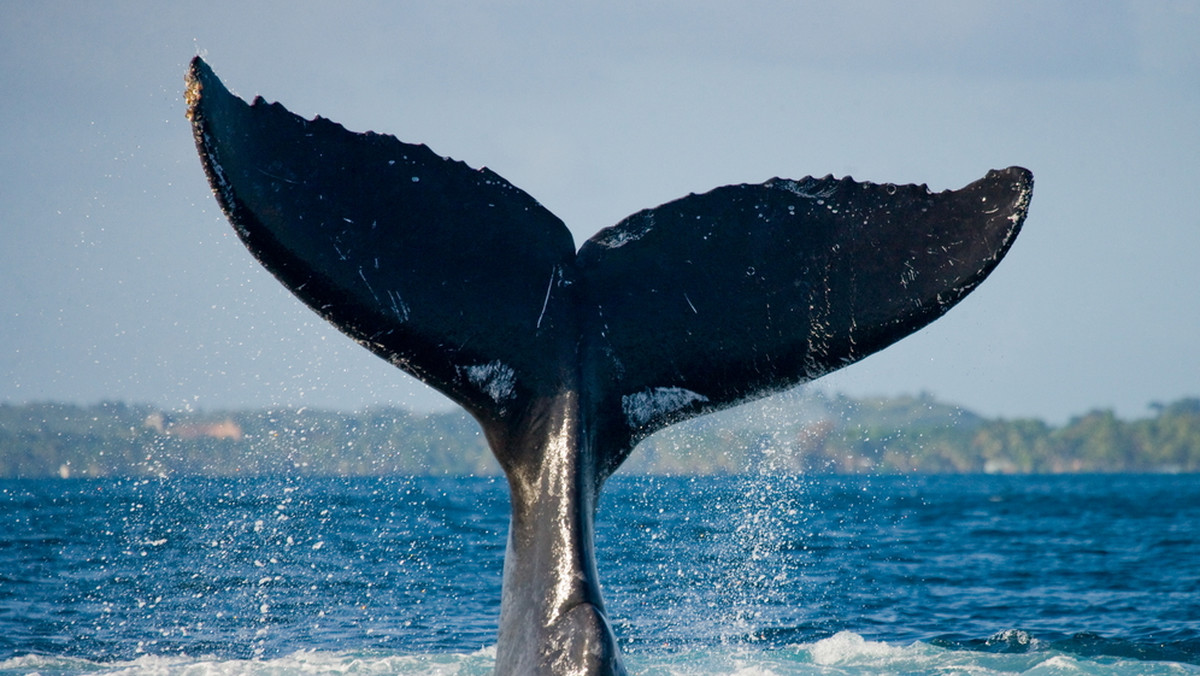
<point>810,434</point>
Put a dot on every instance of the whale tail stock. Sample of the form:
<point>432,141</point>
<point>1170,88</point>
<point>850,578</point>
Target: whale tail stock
<point>569,358</point>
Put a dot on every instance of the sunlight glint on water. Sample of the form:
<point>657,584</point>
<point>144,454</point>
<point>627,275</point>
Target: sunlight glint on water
<point>753,575</point>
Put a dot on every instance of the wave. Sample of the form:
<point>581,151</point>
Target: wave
<point>1171,647</point>
<point>845,654</point>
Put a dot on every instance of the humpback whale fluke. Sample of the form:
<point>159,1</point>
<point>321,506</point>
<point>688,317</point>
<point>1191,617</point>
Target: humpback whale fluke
<point>568,359</point>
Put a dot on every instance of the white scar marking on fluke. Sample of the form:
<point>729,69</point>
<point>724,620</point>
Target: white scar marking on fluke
<point>268,174</point>
<point>642,407</point>
<point>689,302</point>
<point>1021,206</point>
<point>364,278</point>
<point>630,230</point>
<point>494,378</point>
<point>546,300</point>
<point>399,309</point>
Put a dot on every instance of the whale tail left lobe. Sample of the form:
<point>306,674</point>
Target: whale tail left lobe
<point>438,268</point>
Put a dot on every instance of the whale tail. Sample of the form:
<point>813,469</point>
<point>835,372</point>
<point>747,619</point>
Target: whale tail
<point>469,284</point>
<point>569,358</point>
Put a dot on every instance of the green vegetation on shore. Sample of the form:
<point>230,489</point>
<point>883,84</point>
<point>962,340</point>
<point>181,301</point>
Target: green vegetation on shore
<point>799,432</point>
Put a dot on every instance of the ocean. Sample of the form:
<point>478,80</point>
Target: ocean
<point>753,575</point>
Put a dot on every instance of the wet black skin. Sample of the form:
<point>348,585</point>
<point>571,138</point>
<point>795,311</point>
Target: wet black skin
<point>568,359</point>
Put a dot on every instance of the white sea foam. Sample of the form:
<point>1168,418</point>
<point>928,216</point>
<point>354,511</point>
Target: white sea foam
<point>847,646</point>
<point>305,662</point>
<point>844,654</point>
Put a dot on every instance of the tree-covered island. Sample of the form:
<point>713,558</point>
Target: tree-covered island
<point>803,432</point>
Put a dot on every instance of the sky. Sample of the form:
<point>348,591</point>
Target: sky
<point>121,280</point>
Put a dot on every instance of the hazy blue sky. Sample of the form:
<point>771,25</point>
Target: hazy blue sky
<point>120,279</point>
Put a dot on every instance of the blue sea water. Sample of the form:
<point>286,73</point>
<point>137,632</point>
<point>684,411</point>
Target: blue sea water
<point>713,575</point>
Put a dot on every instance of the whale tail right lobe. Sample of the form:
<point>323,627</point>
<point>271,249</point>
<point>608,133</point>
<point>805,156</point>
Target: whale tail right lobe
<point>716,299</point>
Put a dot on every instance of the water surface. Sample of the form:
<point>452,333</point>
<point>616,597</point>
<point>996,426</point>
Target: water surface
<point>940,574</point>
